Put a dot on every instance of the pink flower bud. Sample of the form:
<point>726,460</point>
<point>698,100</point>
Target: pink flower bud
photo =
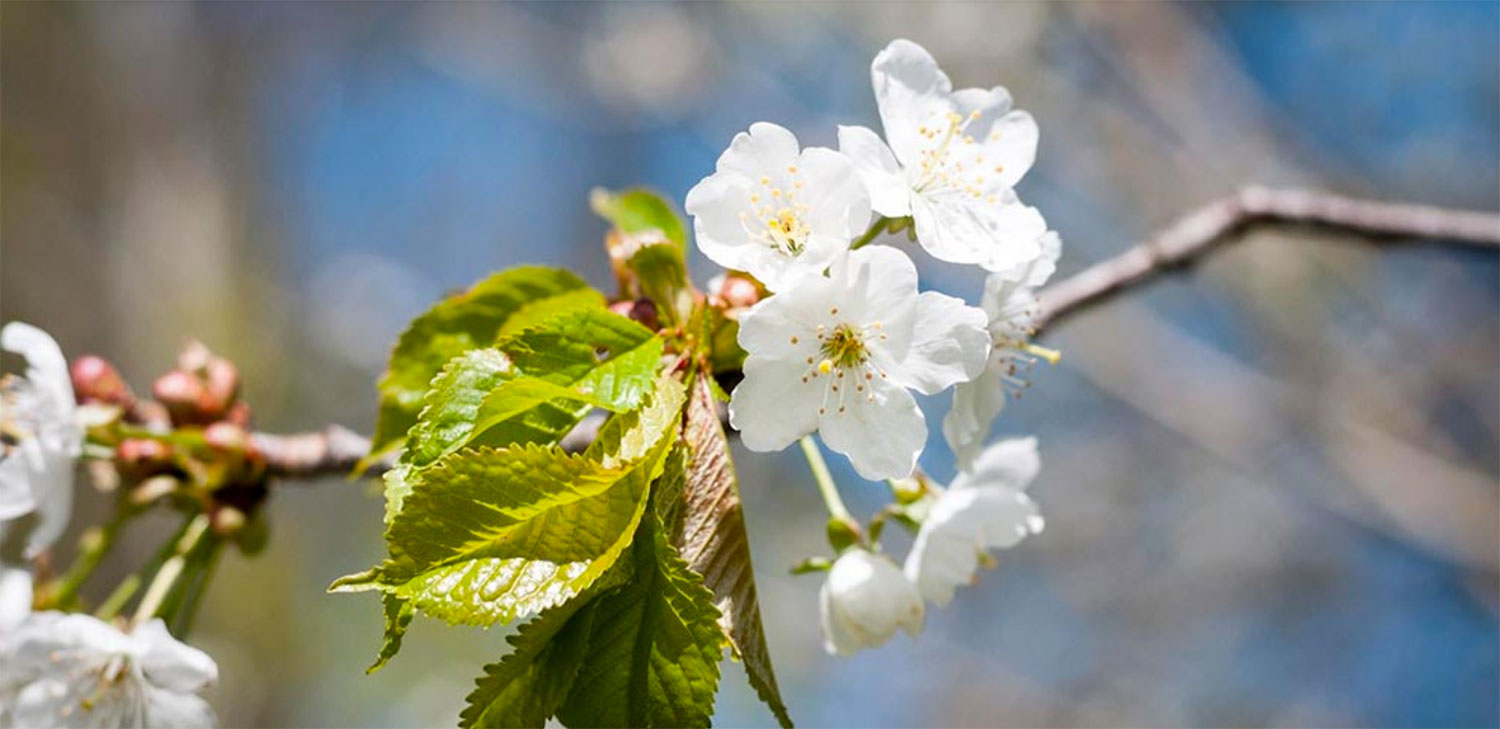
<point>95,380</point>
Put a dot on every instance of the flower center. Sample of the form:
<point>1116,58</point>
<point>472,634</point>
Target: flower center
<point>940,170</point>
<point>844,347</point>
<point>844,360</point>
<point>776,219</point>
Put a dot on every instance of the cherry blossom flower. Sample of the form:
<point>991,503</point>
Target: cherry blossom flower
<point>777,212</point>
<point>986,507</point>
<point>839,354</point>
<point>1009,301</point>
<point>864,601</point>
<point>15,597</point>
<point>39,413</point>
<point>62,670</point>
<point>952,161</point>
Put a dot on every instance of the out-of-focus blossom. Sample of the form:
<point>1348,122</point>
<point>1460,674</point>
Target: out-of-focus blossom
<point>864,601</point>
<point>1009,301</point>
<point>41,419</point>
<point>66,670</point>
<point>985,508</point>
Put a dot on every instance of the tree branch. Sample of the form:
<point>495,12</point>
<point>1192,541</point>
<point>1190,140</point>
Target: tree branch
<point>336,450</point>
<point>1202,231</point>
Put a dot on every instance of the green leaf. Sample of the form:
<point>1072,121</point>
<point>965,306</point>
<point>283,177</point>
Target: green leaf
<point>398,615</point>
<point>652,656</point>
<point>715,544</point>
<point>539,311</point>
<point>528,685</point>
<point>661,272</point>
<point>485,535</point>
<point>529,410</point>
<point>564,350</point>
<point>638,211</point>
<point>455,325</point>
<point>452,403</point>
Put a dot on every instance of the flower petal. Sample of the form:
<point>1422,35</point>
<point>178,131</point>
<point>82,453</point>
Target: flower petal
<point>835,194</point>
<point>975,406</point>
<point>960,526</point>
<point>15,597</point>
<point>1011,463</point>
<point>865,599</point>
<point>766,149</point>
<point>881,430</point>
<point>911,91</point>
<point>950,344</point>
<point>890,195</point>
<point>170,663</point>
<point>46,368</point>
<point>772,406</point>
<point>879,284</point>
<point>15,482</point>
<point>166,709</point>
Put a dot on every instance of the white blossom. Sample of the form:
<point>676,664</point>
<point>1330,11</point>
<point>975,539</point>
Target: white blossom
<point>838,354</point>
<point>15,597</point>
<point>952,161</point>
<point>39,414</point>
<point>1009,301</point>
<point>65,670</point>
<point>864,601</point>
<point>985,508</point>
<point>775,211</point>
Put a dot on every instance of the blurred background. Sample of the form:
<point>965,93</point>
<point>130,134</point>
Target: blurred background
<point>1271,485</point>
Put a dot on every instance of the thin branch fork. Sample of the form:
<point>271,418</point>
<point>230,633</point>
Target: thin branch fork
<point>336,450</point>
<point>1202,231</point>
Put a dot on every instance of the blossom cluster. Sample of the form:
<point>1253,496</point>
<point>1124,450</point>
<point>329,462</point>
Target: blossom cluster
<point>71,669</point>
<point>846,336</point>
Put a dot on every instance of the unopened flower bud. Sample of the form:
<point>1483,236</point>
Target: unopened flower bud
<point>194,356</point>
<point>221,380</point>
<point>228,520</point>
<point>739,292</point>
<point>225,436</point>
<point>142,452</point>
<point>95,380</point>
<point>182,394</point>
<point>864,601</point>
<point>151,489</point>
<point>239,414</point>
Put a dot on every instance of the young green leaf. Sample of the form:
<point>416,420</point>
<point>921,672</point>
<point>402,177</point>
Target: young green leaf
<point>453,326</point>
<point>563,350</point>
<point>528,685</point>
<point>398,615</point>
<point>638,211</point>
<point>487,535</point>
<point>715,544</point>
<point>661,273</point>
<point>652,656</point>
<point>452,403</point>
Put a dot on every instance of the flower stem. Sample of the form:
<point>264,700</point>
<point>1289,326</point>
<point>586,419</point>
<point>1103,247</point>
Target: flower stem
<point>826,487</point>
<point>93,546</point>
<point>166,577</point>
<point>876,228</point>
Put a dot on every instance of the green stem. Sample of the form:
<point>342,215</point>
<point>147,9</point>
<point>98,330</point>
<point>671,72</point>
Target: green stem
<point>876,228</point>
<point>93,546</point>
<point>166,577</point>
<point>207,558</point>
<point>117,599</point>
<point>826,487</point>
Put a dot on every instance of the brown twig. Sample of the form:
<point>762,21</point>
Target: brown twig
<point>336,450</point>
<point>1203,230</point>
